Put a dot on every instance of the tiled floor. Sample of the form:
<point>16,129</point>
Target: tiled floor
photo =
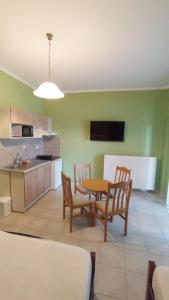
<point>121,263</point>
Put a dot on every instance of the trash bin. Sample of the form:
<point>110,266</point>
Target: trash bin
<point>5,206</point>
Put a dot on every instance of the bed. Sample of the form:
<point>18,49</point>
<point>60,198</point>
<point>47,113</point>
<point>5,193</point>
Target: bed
<point>157,282</point>
<point>41,269</point>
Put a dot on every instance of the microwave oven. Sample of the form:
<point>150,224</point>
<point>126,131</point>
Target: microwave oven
<point>19,130</point>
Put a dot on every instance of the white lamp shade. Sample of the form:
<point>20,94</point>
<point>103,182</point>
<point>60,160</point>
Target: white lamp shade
<point>48,90</point>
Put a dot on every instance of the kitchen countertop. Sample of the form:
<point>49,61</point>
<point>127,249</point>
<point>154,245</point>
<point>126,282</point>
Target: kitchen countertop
<point>33,164</point>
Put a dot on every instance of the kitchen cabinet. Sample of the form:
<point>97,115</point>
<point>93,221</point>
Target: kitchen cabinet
<point>20,116</point>
<point>14,115</point>
<point>5,128</point>
<point>43,123</point>
<point>27,188</point>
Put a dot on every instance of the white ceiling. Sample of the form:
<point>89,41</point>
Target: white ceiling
<point>98,44</point>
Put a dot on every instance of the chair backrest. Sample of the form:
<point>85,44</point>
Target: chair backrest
<point>120,193</point>
<point>67,192</point>
<point>82,172</point>
<point>122,174</point>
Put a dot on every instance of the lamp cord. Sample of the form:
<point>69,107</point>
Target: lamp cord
<point>49,59</point>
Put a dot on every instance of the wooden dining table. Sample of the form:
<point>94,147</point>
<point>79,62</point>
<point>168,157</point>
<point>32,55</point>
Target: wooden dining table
<point>96,185</point>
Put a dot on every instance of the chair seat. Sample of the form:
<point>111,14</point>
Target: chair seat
<point>100,205</point>
<point>79,201</point>
<point>82,190</point>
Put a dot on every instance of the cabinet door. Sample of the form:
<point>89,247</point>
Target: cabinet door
<point>17,191</point>
<point>47,176</point>
<point>36,120</point>
<point>28,118</point>
<point>30,188</point>
<point>37,182</point>
<point>44,123</point>
<point>5,128</point>
<point>19,116</point>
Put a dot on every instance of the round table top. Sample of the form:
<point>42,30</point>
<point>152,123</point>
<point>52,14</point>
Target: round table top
<point>96,185</point>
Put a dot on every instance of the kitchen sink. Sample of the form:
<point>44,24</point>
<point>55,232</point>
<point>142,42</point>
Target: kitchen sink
<point>24,166</point>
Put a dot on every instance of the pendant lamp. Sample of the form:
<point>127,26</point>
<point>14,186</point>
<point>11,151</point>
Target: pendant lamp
<point>48,89</point>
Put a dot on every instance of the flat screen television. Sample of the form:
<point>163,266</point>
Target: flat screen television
<point>107,131</point>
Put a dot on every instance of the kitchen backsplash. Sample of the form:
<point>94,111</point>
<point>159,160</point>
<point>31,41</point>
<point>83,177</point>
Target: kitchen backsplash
<point>28,148</point>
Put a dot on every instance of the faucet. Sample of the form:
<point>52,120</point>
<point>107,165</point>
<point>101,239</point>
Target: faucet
<point>18,158</point>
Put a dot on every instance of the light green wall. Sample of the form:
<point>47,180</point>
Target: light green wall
<point>15,93</point>
<point>146,114</point>
<point>140,110</point>
<point>164,175</point>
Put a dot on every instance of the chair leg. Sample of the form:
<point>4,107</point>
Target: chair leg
<point>63,210</point>
<point>91,216</point>
<point>94,216</point>
<point>105,231</point>
<point>126,224</point>
<point>71,219</point>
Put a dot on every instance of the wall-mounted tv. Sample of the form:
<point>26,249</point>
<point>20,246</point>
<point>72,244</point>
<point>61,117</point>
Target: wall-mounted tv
<point>107,131</point>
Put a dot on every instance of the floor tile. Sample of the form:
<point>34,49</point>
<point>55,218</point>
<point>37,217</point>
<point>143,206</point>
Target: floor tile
<point>38,224</point>
<point>151,230</point>
<point>136,261</point>
<point>45,213</point>
<point>135,242</point>
<point>111,256</point>
<point>157,246</point>
<point>54,227</point>
<point>21,220</point>
<point>136,286</point>
<point>69,240</point>
<point>111,282</point>
<point>121,263</point>
<point>93,234</point>
<point>103,297</point>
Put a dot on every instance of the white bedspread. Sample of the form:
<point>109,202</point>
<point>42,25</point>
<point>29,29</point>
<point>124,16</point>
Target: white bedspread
<point>35,269</point>
<point>161,283</point>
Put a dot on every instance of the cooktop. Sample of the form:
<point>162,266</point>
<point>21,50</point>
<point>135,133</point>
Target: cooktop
<point>47,157</point>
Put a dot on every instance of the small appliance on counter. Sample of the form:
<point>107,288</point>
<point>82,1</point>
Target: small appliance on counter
<point>56,168</point>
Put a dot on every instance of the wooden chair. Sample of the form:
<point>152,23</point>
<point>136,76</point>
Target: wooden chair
<point>81,173</point>
<point>122,174</point>
<point>117,205</point>
<point>75,202</point>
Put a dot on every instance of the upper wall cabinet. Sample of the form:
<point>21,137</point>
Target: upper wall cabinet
<point>13,115</point>
<point>5,128</point>
<point>19,116</point>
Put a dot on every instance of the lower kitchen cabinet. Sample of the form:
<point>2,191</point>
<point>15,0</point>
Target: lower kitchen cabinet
<point>26,188</point>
